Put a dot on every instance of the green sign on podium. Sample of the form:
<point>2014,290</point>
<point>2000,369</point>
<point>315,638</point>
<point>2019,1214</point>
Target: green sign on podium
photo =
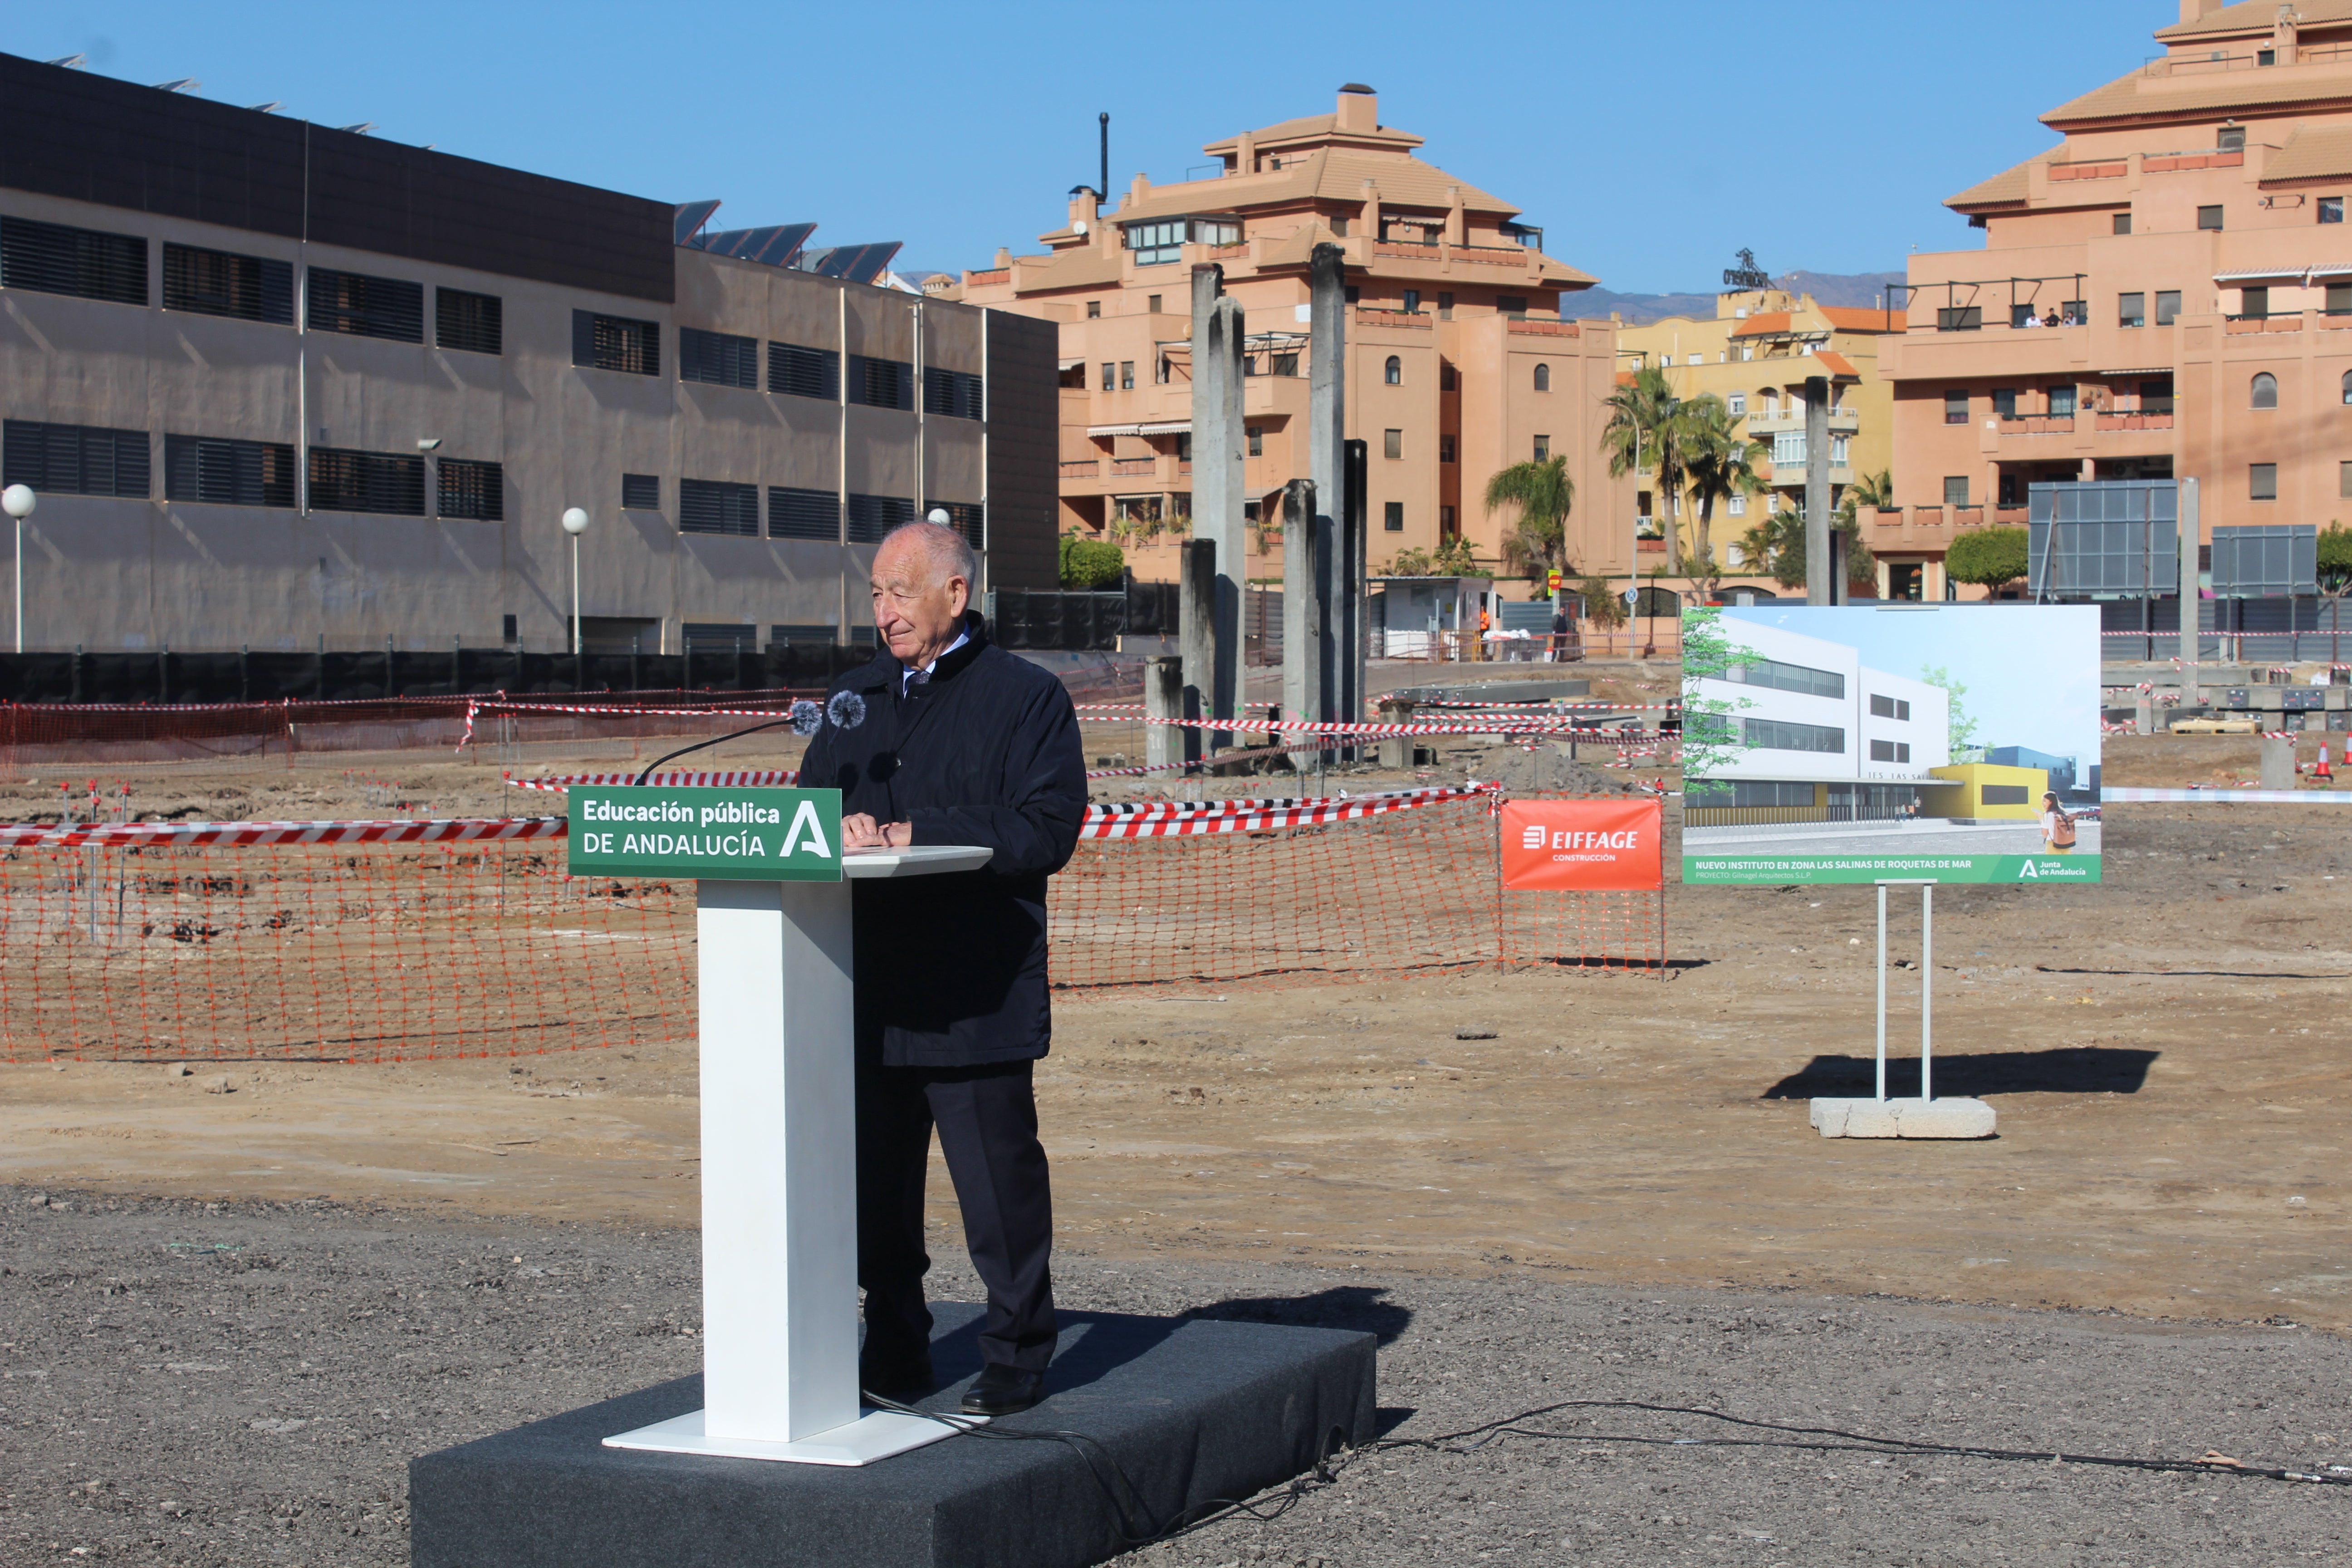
<point>728,835</point>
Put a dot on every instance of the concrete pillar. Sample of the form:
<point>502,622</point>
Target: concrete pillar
<point>2191,536</point>
<point>1305,572</point>
<point>1196,617</point>
<point>1163,697</point>
<point>1819,588</point>
<point>2278,762</point>
<point>1396,751</point>
<point>1218,453</point>
<point>1327,465</point>
<point>2144,716</point>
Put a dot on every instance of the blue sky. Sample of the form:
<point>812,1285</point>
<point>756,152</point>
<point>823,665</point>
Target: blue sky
<point>1651,143</point>
<point>2031,671</point>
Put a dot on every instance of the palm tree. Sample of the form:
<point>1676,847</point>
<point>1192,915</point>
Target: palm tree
<point>1545,495</point>
<point>1643,423</point>
<point>1873,491</point>
<point>1717,463</point>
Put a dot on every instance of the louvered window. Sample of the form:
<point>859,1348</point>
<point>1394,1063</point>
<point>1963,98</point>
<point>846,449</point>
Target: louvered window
<point>388,482</point>
<point>801,634</point>
<point>953,392</point>
<point>468,488</point>
<point>715,506</point>
<point>74,460</point>
<point>641,492</point>
<point>804,514</point>
<point>228,473</point>
<point>365,307</point>
<point>50,258</point>
<point>966,517</point>
<point>871,516</point>
<point>721,636</point>
<point>220,283</point>
<point>474,322</point>
<point>721,359</point>
<point>881,383</point>
<point>803,372</point>
<point>615,343</point>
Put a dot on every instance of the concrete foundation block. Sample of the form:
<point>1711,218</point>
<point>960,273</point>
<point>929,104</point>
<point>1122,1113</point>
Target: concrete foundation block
<point>1902,1118</point>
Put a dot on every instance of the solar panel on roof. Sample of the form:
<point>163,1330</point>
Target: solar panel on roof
<point>852,263</point>
<point>691,216</point>
<point>777,245</point>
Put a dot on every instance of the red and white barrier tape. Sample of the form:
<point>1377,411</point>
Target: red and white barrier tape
<point>184,834</point>
<point>1300,814</point>
<point>743,778</point>
<point>1141,810</point>
<point>607,710</point>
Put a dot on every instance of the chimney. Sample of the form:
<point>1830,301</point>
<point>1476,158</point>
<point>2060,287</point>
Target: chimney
<point>1245,153</point>
<point>1360,107</point>
<point>1083,208</point>
<point>2282,36</point>
<point>1457,231</point>
<point>2191,10</point>
<point>1371,213</point>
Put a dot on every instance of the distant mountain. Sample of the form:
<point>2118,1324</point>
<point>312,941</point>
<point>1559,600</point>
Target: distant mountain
<point>1856,289</point>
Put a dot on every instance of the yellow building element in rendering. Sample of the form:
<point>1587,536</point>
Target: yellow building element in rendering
<point>1985,792</point>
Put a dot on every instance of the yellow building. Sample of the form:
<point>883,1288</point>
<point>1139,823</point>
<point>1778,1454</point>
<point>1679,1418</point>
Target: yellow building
<point>1985,792</point>
<point>1756,353</point>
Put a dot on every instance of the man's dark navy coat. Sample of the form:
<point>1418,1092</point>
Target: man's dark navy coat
<point>951,969</point>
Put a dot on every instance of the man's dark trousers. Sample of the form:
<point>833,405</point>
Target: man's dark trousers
<point>987,1122</point>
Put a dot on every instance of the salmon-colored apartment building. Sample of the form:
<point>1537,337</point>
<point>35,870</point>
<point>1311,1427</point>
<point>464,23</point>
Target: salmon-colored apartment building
<point>1457,363</point>
<point>2184,264</point>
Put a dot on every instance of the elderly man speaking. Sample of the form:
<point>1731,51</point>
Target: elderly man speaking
<point>960,743</point>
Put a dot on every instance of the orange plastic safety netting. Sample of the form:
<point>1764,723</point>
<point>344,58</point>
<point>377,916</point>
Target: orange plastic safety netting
<point>257,945</point>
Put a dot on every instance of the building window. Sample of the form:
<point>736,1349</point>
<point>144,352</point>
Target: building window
<point>1781,735</point>
<point>2062,401</point>
<point>1110,377</point>
<point>2233,138</point>
<point>1543,378</point>
<point>957,394</point>
<point>2209,217</point>
<point>1445,519</point>
<point>720,359</point>
<point>2131,310</point>
<point>389,483</point>
<point>2004,402</point>
<point>2122,222</point>
<point>1956,408</point>
<point>1392,443</point>
<point>2261,481</point>
<point>365,307</point>
<point>1412,301</point>
<point>1839,458</point>
<point>1157,244</point>
<point>475,323</point>
<point>1127,375</point>
<point>2344,481</point>
<point>1512,305</point>
<point>1393,517</point>
<point>1890,751</point>
<point>872,517</point>
<point>2167,306</point>
<point>2006,491</point>
<point>804,514</point>
<point>1256,439</point>
<point>1352,291</point>
<point>1444,305</point>
<point>1393,371</point>
<point>2265,390</point>
<point>1737,403</point>
<point>881,383</point>
<point>476,491</point>
<point>51,258</point>
<point>2348,388</point>
<point>2155,396</point>
<point>967,518</point>
<point>1960,319</point>
<point>1737,506</point>
<point>1445,448</point>
<point>1782,676</point>
<point>2020,315</point>
<point>1094,309</point>
<point>717,506</point>
<point>219,283</point>
<point>641,492</point>
<point>2331,209</point>
<point>799,371</point>
<point>1543,448</point>
<point>228,473</point>
<point>74,460</point>
<point>1956,490</point>
<point>1445,382</point>
<point>1890,708</point>
<point>615,343</point>
<point>1151,303</point>
<point>2254,303</point>
<point>1789,450</point>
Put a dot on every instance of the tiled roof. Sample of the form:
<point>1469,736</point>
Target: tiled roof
<point>2138,97</point>
<point>1850,318</point>
<point>1763,324</point>
<point>2313,153</point>
<point>2257,17</point>
<point>1086,268</point>
<point>1836,365</point>
<point>1331,174</point>
<point>1313,127</point>
<point>2005,188</point>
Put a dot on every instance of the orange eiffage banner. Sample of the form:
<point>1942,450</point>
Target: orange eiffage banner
<point>1585,845</point>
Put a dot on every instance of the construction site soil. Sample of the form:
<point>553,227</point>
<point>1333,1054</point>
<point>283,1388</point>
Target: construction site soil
<point>254,1291</point>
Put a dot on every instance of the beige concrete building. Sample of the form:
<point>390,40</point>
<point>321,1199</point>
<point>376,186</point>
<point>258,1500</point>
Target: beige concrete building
<point>282,386</point>
<point>1457,361</point>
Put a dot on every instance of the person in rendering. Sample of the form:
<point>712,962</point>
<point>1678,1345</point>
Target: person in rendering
<point>960,742</point>
<point>2057,828</point>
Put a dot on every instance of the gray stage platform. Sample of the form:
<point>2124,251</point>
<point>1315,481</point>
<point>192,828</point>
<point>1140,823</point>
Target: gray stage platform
<point>1192,1410</point>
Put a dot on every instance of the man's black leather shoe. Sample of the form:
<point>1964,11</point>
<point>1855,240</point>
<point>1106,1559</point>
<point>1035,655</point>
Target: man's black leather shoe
<point>901,1378</point>
<point>1003,1390</point>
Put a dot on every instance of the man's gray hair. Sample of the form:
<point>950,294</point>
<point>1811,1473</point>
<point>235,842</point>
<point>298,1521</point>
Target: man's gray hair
<point>947,551</point>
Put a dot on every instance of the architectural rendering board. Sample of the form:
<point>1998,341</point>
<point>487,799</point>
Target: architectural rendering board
<point>1863,743</point>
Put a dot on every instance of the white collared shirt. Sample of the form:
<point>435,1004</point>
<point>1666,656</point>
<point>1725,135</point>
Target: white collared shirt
<point>907,671</point>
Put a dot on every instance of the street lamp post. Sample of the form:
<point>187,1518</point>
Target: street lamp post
<point>18,500</point>
<point>575,523</point>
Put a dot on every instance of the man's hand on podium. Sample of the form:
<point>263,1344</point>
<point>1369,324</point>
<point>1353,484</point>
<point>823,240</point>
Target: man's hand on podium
<point>860,831</point>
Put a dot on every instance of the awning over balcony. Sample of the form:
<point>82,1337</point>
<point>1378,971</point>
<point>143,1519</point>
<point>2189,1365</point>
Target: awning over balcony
<point>2292,276</point>
<point>1072,363</point>
<point>1166,427</point>
<point>2145,370</point>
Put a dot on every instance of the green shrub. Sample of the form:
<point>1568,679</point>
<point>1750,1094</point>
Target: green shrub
<point>1091,563</point>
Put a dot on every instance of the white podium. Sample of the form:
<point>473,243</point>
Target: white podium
<point>780,1177</point>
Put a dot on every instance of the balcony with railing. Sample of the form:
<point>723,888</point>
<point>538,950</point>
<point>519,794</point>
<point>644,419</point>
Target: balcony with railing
<point>1929,529</point>
<point>1082,469</point>
<point>1126,468</point>
<point>2143,418</point>
<point>1372,316</point>
<point>2036,424</point>
<point>1843,422</point>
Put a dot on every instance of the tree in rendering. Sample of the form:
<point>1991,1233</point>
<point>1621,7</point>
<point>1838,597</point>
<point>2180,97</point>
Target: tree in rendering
<point>1961,728</point>
<point>1545,495</point>
<point>1717,463</point>
<point>1713,734</point>
<point>1643,427</point>
<point>1990,557</point>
